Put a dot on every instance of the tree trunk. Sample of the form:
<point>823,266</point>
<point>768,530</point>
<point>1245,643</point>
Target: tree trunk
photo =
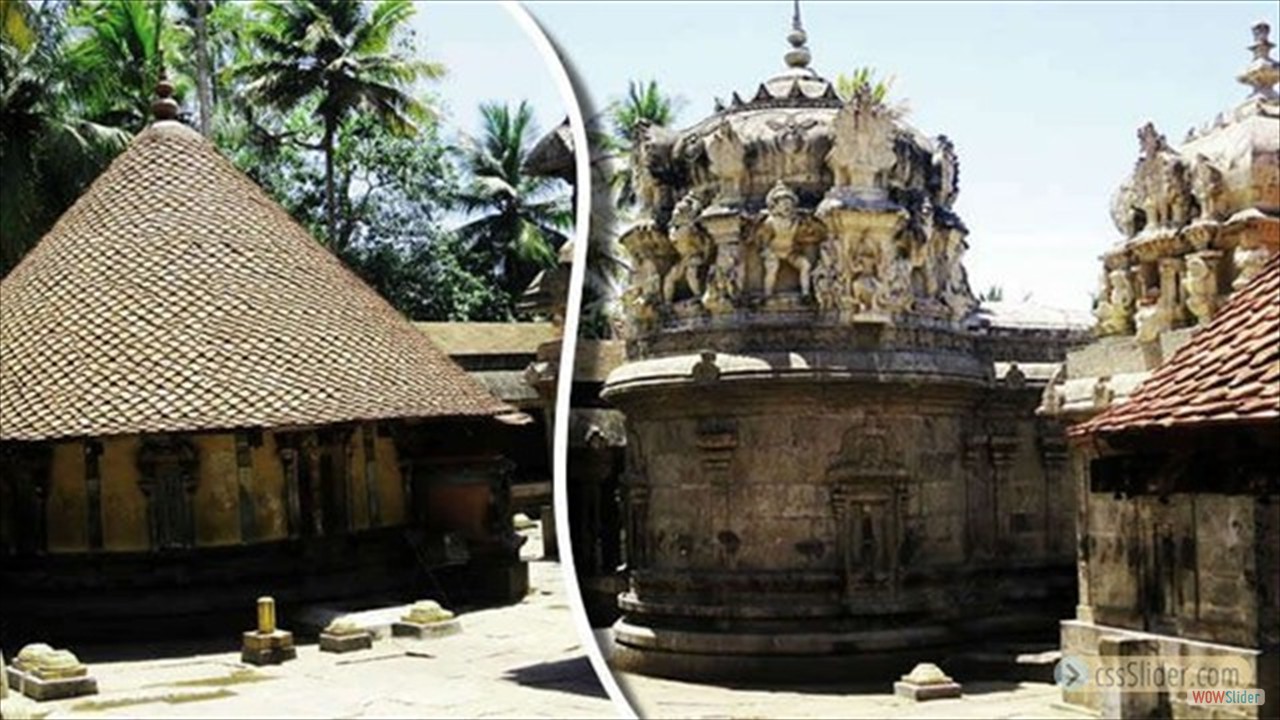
<point>204,86</point>
<point>330,190</point>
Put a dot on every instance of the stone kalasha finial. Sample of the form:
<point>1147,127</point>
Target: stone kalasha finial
<point>164,107</point>
<point>798,56</point>
<point>1263,72</point>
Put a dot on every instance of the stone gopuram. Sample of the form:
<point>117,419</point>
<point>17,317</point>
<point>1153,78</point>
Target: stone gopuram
<point>833,461</point>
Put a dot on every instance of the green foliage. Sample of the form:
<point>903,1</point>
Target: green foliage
<point>519,220</point>
<point>863,78</point>
<point>116,53</point>
<point>343,55</point>
<point>614,197</point>
<point>318,101</point>
<point>49,150</point>
<point>995,293</point>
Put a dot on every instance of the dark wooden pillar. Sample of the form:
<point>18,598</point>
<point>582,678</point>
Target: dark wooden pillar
<point>244,479</point>
<point>93,492</point>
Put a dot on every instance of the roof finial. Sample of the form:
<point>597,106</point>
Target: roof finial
<point>798,56</point>
<point>164,107</point>
<point>1263,72</point>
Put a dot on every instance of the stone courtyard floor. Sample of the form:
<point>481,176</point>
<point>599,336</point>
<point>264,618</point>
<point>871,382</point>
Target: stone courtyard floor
<point>521,660</point>
<point>657,698</point>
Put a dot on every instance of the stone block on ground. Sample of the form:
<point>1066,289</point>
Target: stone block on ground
<point>426,619</point>
<point>345,635</point>
<point>271,648</point>
<point>926,682</point>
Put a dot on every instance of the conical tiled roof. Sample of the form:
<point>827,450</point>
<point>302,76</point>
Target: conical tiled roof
<point>175,295</point>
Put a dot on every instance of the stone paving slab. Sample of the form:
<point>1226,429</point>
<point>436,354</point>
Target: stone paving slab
<point>659,698</point>
<point>520,660</point>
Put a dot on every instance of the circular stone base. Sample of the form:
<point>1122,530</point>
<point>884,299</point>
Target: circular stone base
<point>798,657</point>
<point>875,655</point>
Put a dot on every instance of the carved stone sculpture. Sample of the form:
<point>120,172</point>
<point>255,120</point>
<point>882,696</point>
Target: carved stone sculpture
<point>649,192</point>
<point>782,237</point>
<point>691,245</point>
<point>1115,313</point>
<point>727,157</point>
<point>1207,186</point>
<point>1151,318</point>
<point>1201,288</point>
<point>863,146</point>
<point>946,168</point>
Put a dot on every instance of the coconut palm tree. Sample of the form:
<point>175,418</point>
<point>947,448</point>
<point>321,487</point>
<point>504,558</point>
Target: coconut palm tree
<point>520,220</point>
<point>120,49</point>
<point>645,105</point>
<point>49,152</point>
<point>341,55</point>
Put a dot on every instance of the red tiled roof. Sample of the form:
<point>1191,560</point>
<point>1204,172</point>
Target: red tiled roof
<point>1228,372</point>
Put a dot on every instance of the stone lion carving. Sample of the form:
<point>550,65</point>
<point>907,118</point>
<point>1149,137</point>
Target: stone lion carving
<point>1115,312</point>
<point>1248,262</point>
<point>1201,288</point>
<point>863,147</point>
<point>946,170</point>
<point>783,236</point>
<point>1125,211</point>
<point>727,157</point>
<point>691,246</point>
<point>651,250</point>
<point>649,192</point>
<point>1208,188</point>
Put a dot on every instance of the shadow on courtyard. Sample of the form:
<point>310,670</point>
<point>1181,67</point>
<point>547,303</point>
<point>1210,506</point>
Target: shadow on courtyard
<point>573,675</point>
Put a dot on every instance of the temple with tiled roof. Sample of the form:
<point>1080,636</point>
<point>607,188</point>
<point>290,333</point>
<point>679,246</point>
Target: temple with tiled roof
<point>1177,412</point>
<point>199,404</point>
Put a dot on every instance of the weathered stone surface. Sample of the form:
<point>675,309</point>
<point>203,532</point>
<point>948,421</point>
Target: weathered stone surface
<point>829,452</point>
<point>425,631</point>
<point>267,648</point>
<point>345,642</point>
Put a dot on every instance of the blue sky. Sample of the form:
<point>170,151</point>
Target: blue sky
<point>1042,100</point>
<point>489,59</point>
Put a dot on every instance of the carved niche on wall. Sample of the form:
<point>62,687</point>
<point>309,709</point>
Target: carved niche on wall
<point>168,468</point>
<point>867,487</point>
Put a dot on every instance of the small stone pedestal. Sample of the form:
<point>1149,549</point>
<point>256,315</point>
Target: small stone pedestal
<point>426,619</point>
<point>42,673</point>
<point>926,682</point>
<point>343,635</point>
<point>267,645</point>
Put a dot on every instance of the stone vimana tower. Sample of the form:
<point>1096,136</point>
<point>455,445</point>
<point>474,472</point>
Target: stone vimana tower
<point>832,449</point>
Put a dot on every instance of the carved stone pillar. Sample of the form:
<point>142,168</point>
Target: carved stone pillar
<point>1170,275</point>
<point>1053,458</point>
<point>1004,448</point>
<point>726,279</point>
<point>980,531</point>
<point>93,492</point>
<point>638,541</point>
<point>168,467</point>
